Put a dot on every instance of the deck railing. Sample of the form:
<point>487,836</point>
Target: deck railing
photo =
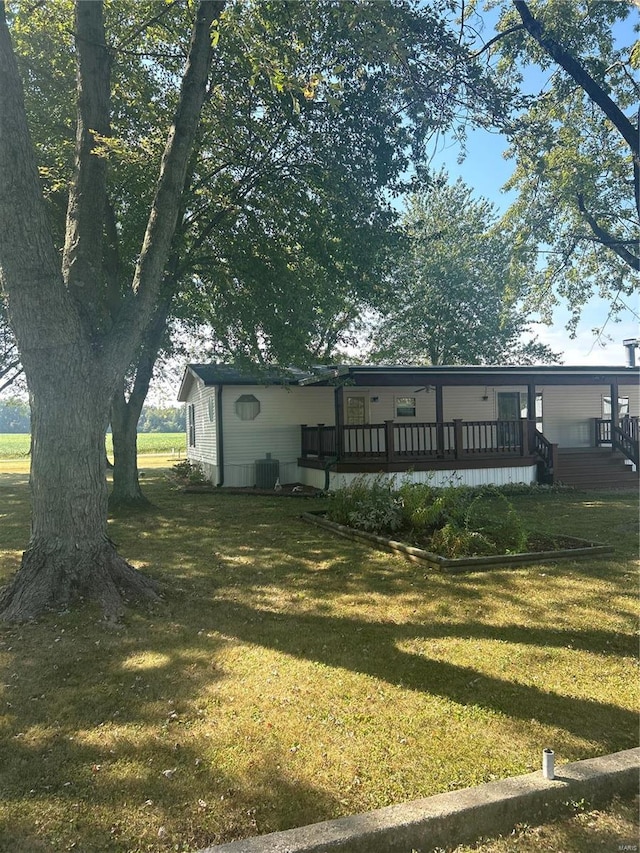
<point>602,431</point>
<point>413,441</point>
<point>547,454</point>
<point>624,437</point>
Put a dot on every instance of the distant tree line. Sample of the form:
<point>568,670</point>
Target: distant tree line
<point>15,417</point>
<point>153,419</point>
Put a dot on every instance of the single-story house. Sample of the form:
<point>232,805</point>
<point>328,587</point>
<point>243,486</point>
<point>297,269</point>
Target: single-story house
<point>471,425</point>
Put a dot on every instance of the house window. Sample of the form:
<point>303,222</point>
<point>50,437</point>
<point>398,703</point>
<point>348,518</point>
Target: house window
<point>191,424</point>
<point>247,407</point>
<point>211,408</point>
<point>405,407</point>
<point>623,408</point>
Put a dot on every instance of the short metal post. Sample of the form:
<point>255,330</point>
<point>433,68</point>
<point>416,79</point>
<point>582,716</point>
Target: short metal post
<point>548,757</point>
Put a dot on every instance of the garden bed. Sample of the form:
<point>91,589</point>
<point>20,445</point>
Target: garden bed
<point>544,548</point>
<point>289,490</point>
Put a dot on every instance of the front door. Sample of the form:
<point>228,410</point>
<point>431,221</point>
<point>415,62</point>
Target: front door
<point>355,415</point>
<point>355,410</point>
<point>508,410</point>
<point>508,405</point>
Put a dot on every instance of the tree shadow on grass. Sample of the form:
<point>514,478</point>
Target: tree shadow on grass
<point>92,722</point>
<point>330,640</point>
<point>198,804</point>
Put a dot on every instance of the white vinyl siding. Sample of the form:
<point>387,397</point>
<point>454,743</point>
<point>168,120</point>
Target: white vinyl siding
<point>276,430</point>
<point>569,411</point>
<point>203,400</point>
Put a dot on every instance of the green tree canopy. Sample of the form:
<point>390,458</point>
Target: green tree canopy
<point>162,97</point>
<point>575,147</point>
<point>460,287</point>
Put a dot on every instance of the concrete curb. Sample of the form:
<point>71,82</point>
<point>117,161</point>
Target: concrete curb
<point>458,817</point>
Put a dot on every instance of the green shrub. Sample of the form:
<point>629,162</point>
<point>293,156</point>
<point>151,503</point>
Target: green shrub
<point>454,541</point>
<point>493,516</point>
<point>366,505</point>
<point>189,472</point>
<point>455,521</point>
<point>426,509</point>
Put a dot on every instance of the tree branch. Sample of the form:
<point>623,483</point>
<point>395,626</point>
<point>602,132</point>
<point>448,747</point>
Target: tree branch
<point>607,239</point>
<point>514,29</point>
<point>593,89</point>
<point>82,257</point>
<point>29,262</point>
<point>156,246</point>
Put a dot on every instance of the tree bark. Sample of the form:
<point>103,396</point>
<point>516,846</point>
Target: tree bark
<point>124,431</point>
<point>69,554</point>
<point>73,358</point>
<point>125,413</point>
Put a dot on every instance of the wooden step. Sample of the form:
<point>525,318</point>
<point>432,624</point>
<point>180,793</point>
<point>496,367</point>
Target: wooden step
<point>595,468</point>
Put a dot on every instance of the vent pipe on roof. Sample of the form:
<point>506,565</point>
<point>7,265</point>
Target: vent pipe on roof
<point>631,346</point>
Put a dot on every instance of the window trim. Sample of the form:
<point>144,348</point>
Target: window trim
<point>405,414</point>
<point>191,424</point>
<point>247,403</point>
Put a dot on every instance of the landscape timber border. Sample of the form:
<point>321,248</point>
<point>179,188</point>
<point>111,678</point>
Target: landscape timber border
<point>582,548</point>
<point>458,817</point>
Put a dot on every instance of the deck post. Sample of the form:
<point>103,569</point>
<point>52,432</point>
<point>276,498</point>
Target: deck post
<point>439,421</point>
<point>553,463</point>
<point>320,453</point>
<point>457,438</point>
<point>303,448</point>
<point>525,433</point>
<point>615,414</point>
<point>388,441</point>
<point>531,401</point>
<point>339,410</point>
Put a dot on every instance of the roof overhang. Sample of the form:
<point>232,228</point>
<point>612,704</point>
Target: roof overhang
<point>405,375</point>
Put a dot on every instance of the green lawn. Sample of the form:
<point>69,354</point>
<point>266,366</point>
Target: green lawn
<point>290,676</point>
<point>16,445</point>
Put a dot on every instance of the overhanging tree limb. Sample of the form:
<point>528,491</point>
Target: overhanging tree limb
<point>607,239</point>
<point>593,89</point>
<point>82,257</point>
<point>173,169</point>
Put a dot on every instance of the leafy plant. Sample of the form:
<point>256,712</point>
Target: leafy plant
<point>454,541</point>
<point>493,516</point>
<point>366,505</point>
<point>189,472</point>
<point>454,521</point>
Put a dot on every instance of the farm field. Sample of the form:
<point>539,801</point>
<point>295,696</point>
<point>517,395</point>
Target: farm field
<point>16,445</point>
<point>289,676</point>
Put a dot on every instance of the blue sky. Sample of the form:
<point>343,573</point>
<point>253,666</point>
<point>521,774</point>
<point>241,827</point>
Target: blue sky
<point>486,170</point>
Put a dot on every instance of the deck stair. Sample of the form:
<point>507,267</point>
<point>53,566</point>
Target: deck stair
<point>594,468</point>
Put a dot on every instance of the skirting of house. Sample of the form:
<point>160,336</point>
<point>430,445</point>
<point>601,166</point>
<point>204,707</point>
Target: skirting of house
<point>499,475</point>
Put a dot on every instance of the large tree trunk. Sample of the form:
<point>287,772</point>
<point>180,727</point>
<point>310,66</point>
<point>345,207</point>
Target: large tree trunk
<point>124,429</point>
<point>125,413</point>
<point>74,356</point>
<point>69,554</point>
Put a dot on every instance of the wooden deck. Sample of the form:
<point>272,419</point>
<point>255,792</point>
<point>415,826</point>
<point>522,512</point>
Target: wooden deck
<point>397,447</point>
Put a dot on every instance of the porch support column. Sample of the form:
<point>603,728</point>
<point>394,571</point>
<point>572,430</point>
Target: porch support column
<point>439,420</point>
<point>531,401</point>
<point>339,412</point>
<point>615,421</point>
<point>531,416</point>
